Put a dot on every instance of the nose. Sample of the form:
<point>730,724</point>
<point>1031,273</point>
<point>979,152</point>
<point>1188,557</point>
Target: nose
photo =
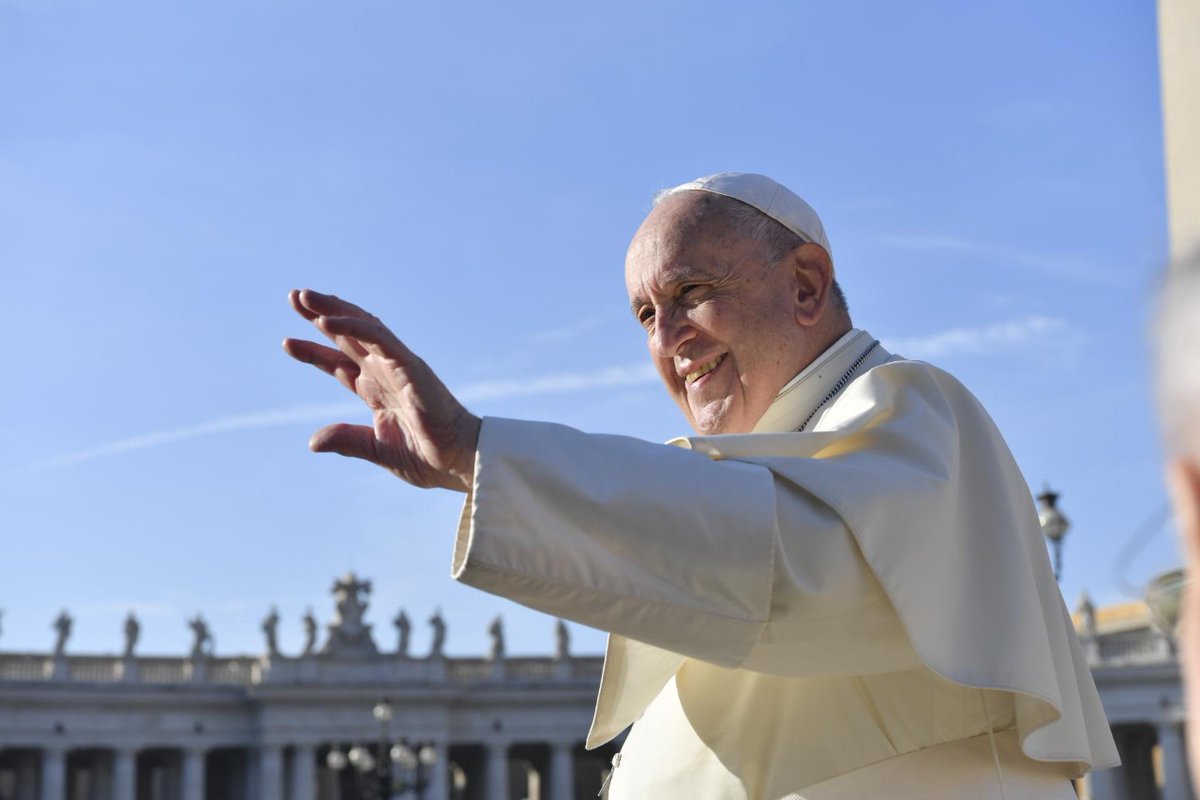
<point>671,331</point>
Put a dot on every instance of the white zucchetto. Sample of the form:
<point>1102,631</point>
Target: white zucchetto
<point>768,196</point>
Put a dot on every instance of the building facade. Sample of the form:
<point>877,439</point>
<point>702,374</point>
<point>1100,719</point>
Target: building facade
<point>1137,673</point>
<point>275,727</point>
<point>203,727</point>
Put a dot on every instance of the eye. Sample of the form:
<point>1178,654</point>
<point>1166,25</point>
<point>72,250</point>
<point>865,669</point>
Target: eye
<point>645,316</point>
<point>691,294</point>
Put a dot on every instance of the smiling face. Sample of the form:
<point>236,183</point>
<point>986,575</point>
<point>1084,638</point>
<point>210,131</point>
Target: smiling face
<point>728,323</point>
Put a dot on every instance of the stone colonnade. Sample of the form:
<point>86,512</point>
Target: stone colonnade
<point>1139,776</point>
<point>294,772</point>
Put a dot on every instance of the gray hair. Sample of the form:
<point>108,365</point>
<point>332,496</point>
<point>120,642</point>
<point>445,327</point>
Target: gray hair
<point>1177,340</point>
<point>776,239</point>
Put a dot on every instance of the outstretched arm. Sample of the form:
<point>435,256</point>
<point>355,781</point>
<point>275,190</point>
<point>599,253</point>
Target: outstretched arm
<point>421,433</point>
<point>716,560</point>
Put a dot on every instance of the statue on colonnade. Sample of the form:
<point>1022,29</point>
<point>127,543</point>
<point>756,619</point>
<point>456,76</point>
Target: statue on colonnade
<point>403,628</point>
<point>203,643</point>
<point>310,633</point>
<point>63,626</point>
<point>562,641</point>
<point>438,648</point>
<point>133,630</point>
<point>496,631</point>
<point>270,627</point>
<point>349,635</point>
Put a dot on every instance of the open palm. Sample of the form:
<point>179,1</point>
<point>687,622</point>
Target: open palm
<point>421,433</point>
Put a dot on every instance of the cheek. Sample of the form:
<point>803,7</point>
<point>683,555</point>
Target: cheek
<point>665,368</point>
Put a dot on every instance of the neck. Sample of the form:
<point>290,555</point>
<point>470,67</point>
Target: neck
<point>800,397</point>
<point>827,336</point>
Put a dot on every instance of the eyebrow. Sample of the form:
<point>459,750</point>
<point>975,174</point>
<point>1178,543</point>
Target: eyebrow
<point>673,276</point>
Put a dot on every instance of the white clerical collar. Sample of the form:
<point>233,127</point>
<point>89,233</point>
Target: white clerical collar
<point>800,397</point>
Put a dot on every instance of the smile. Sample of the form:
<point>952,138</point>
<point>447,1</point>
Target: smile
<point>696,375</point>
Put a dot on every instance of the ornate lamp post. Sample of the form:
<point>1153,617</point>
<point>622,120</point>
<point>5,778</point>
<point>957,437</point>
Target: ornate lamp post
<point>377,778</point>
<point>1054,525</point>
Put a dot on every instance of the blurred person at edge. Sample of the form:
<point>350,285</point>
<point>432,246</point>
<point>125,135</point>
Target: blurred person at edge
<point>836,589</point>
<point>1178,368</point>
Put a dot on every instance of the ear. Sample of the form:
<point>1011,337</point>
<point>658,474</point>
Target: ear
<point>814,282</point>
<point>1183,482</point>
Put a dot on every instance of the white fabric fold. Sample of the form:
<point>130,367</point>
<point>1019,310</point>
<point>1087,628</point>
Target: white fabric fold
<point>889,554</point>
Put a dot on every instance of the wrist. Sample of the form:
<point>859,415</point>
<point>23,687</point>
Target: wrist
<point>462,472</point>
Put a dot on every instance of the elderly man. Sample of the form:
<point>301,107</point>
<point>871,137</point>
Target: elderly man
<point>836,589</point>
<point>1179,396</point>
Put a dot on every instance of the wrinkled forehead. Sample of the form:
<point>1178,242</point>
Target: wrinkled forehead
<point>682,223</point>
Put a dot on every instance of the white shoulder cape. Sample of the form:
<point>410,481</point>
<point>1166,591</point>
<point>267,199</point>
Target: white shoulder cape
<point>923,480</point>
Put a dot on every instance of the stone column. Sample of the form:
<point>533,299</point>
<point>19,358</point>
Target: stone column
<point>192,781</point>
<point>439,775</point>
<point>270,772</point>
<point>54,774</point>
<point>562,771</point>
<point>1174,762</point>
<point>497,771</point>
<point>1179,62</point>
<point>304,772</point>
<point>1106,784</point>
<point>124,774</point>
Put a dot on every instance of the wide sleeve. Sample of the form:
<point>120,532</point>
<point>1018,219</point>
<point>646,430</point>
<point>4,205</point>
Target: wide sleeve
<point>715,560</point>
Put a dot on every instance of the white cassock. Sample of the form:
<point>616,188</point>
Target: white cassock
<point>858,611</point>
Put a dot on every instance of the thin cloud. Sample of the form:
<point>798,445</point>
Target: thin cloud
<point>485,390</point>
<point>1065,264</point>
<point>557,384</point>
<point>1031,115</point>
<point>1046,333</point>
<point>263,419</point>
<point>565,334</point>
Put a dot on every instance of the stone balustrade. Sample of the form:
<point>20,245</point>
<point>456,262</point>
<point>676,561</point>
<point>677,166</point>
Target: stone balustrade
<point>1143,646</point>
<point>315,669</point>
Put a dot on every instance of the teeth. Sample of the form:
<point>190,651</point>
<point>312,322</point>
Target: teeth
<point>704,370</point>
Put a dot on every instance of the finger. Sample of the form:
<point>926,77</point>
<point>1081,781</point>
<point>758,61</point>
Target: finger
<point>369,333</point>
<point>326,359</point>
<point>328,305</point>
<point>301,309</point>
<point>346,344</point>
<point>353,441</point>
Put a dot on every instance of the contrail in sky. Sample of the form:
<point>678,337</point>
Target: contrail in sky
<point>962,341</point>
<point>1044,332</point>
<point>484,390</point>
<point>1067,265</point>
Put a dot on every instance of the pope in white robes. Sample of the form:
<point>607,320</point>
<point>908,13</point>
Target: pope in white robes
<point>837,589</point>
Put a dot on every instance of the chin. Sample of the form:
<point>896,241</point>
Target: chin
<point>713,424</point>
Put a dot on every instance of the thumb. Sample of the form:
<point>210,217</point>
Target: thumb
<point>354,441</point>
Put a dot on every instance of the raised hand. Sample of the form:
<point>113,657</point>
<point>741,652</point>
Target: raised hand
<point>421,432</point>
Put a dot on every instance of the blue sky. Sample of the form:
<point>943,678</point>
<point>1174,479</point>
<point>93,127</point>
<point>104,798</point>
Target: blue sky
<point>990,175</point>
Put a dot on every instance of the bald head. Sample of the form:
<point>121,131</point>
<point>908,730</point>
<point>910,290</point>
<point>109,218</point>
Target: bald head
<point>731,218</point>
